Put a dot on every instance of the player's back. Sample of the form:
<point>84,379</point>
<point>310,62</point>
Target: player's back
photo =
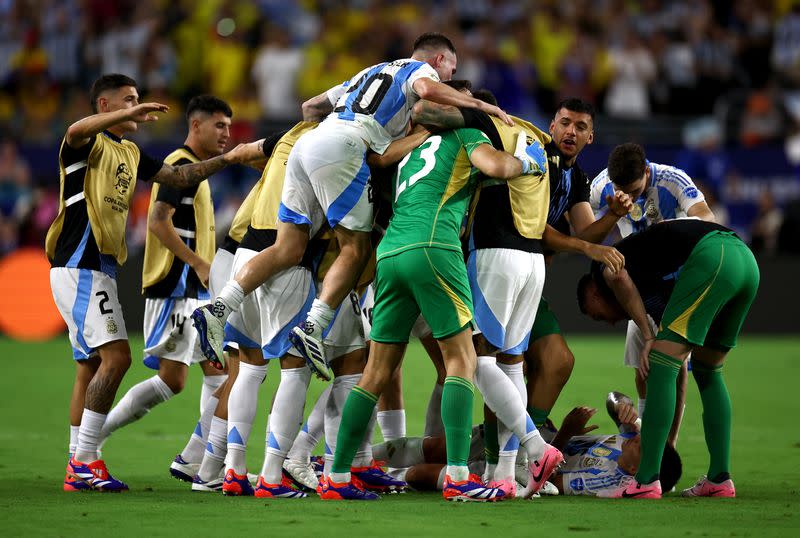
<point>378,100</point>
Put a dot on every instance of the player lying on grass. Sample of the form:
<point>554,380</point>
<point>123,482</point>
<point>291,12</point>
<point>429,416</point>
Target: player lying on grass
<point>594,464</point>
<point>698,280</point>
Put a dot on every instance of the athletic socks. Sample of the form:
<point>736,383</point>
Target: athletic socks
<point>356,415</point>
<point>228,301</point>
<point>312,430</point>
<point>91,424</point>
<point>320,316</point>
<point>193,451</point>
<point>216,450</point>
<point>73,438</point>
<point>640,406</point>
<point>242,404</point>
<point>392,424</point>
<point>400,453</point>
<point>210,385</point>
<point>340,390</point>
<point>457,398</point>
<point>364,457</point>
<point>136,403</point>
<point>508,443</point>
<point>659,413</point>
<point>433,415</point>
<point>285,420</point>
<point>716,419</point>
<point>502,397</point>
<point>539,416</point>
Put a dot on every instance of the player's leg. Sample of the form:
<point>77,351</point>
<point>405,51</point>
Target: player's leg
<point>433,413</point>
<point>284,423</point>
<point>347,371</point>
<point>298,462</point>
<point>391,413</point>
<point>84,372</point>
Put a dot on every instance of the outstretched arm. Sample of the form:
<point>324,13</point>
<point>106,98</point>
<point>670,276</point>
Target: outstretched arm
<point>316,108</point>
<point>399,148</point>
<point>188,175</point>
<point>80,132</point>
<point>494,163</point>
<point>443,94</point>
<point>610,256</point>
<point>434,115</point>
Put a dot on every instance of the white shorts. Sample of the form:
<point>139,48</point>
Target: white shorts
<point>168,332</point>
<point>420,329</point>
<point>268,313</point>
<point>506,289</point>
<point>345,333</point>
<point>327,179</point>
<point>634,342</point>
<point>89,304</point>
<point>220,272</point>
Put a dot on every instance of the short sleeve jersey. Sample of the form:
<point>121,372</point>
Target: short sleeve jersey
<point>654,258</point>
<point>568,185</point>
<point>669,196</point>
<point>432,190</point>
<point>379,100</point>
<point>590,465</point>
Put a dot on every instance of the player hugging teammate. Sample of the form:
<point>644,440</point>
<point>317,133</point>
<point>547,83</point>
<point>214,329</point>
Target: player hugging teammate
<point>479,201</point>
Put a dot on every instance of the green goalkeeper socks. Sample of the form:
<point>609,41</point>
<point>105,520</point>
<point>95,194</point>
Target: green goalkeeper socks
<point>716,418</point>
<point>356,415</point>
<point>658,414</point>
<point>539,416</point>
<point>457,396</point>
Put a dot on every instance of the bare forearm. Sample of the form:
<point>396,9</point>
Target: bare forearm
<point>437,116</point>
<point>629,299</point>
<point>555,240</point>
<point>599,229</point>
<point>165,232</point>
<point>82,130</point>
<point>189,175</point>
<point>316,108</point>
<point>398,149</point>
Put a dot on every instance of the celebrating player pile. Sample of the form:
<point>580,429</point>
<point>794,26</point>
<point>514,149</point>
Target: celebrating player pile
<point>477,199</point>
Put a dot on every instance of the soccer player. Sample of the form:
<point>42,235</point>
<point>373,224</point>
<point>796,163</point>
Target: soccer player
<point>506,270</point>
<point>327,179</point>
<point>548,357</point>
<point>698,280</point>
<point>420,269</point>
<point>86,244</point>
<point>658,192</point>
<point>178,252</point>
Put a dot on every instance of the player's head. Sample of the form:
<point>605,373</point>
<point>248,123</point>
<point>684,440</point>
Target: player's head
<point>464,86</point>
<point>438,51</point>
<point>115,92</point>
<point>572,127</point>
<point>598,302</point>
<point>209,121</point>
<point>485,95</point>
<point>628,170</point>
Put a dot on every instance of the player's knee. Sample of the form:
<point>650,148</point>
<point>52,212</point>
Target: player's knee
<point>565,362</point>
<point>174,382</point>
<point>116,364</point>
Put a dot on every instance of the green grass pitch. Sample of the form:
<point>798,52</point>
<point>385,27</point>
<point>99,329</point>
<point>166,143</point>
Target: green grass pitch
<point>762,376</point>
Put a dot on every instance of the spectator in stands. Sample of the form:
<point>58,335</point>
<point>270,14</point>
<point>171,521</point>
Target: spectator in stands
<point>276,94</point>
<point>764,234</point>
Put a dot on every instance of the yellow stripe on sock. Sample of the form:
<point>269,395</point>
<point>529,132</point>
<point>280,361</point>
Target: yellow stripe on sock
<point>366,394</point>
<point>455,380</point>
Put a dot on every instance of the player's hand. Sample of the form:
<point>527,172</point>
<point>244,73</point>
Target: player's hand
<point>608,256</point>
<point>244,153</point>
<point>644,358</point>
<point>143,112</point>
<point>533,156</point>
<point>202,268</point>
<point>620,203</point>
<point>627,414</point>
<point>575,421</point>
<point>496,111</point>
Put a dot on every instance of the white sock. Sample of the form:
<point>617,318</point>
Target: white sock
<point>440,480</point>
<point>91,424</point>
<point>400,453</point>
<point>193,451</point>
<point>73,438</point>
<point>285,420</point>
<point>433,415</point>
<point>457,473</point>
<point>507,441</point>
<point>210,385</point>
<point>321,316</point>
<point>312,430</point>
<point>228,301</point>
<point>242,404</point>
<point>340,389</point>
<point>136,403</point>
<point>502,397</point>
<point>640,406</point>
<point>216,449</point>
<point>392,424</point>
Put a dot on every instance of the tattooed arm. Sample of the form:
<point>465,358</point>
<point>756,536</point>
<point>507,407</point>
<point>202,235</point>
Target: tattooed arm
<point>189,175</point>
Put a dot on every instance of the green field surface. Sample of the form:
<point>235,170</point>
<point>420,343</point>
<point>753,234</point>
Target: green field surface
<point>762,375</point>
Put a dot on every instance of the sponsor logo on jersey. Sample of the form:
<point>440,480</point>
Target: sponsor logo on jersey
<point>691,192</point>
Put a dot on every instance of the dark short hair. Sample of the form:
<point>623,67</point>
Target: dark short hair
<point>671,468</point>
<point>576,104</point>
<point>432,41</point>
<point>459,84</point>
<point>485,95</point>
<point>208,104</point>
<point>626,164</point>
<point>583,286</point>
<point>111,81</point>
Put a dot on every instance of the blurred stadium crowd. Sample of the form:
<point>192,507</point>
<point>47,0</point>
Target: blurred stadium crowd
<point>735,65</point>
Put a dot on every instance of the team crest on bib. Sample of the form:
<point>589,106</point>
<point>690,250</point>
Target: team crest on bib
<point>111,326</point>
<point>123,178</point>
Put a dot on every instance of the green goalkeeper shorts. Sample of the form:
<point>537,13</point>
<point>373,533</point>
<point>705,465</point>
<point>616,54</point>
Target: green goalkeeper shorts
<point>546,322</point>
<point>712,294</point>
<point>431,281</point>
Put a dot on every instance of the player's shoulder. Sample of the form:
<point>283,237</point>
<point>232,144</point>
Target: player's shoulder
<point>600,184</point>
<point>666,174</point>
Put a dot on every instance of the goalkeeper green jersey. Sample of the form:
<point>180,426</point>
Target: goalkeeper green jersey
<point>431,192</point>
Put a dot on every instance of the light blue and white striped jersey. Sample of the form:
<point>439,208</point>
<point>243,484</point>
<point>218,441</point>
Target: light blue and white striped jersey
<point>669,195</point>
<point>379,99</point>
<point>590,465</point>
